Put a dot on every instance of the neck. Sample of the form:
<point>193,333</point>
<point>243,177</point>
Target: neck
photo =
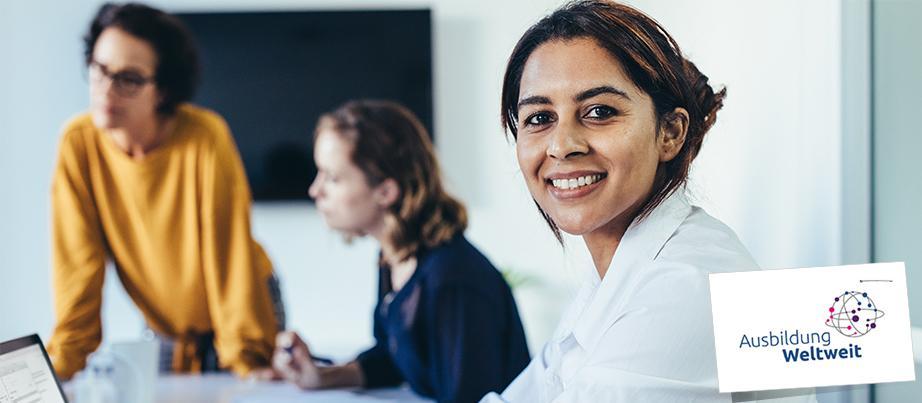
<point>401,270</point>
<point>604,241</point>
<point>602,247</point>
<point>139,140</point>
<point>382,235</point>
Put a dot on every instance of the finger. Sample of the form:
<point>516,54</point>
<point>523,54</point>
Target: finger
<point>302,355</point>
<point>285,339</point>
<point>298,342</point>
<point>288,375</point>
<point>286,367</point>
<point>262,374</point>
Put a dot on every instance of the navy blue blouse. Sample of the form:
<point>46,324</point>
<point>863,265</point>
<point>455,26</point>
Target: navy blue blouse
<point>452,332</point>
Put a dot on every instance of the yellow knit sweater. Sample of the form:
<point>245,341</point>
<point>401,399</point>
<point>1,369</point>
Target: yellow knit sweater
<point>176,224</point>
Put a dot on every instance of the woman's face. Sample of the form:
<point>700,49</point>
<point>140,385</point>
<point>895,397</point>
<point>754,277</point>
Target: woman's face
<point>121,73</point>
<point>341,191</point>
<point>587,142</point>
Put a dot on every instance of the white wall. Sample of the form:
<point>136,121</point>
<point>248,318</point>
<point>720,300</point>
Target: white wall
<point>770,168</point>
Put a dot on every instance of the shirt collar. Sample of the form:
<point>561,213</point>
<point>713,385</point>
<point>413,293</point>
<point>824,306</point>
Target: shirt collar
<point>641,244</point>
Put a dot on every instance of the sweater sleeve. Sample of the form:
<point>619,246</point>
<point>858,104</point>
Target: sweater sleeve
<point>78,259</point>
<point>236,270</point>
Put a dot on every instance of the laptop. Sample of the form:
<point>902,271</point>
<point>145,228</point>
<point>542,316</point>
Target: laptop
<point>26,374</point>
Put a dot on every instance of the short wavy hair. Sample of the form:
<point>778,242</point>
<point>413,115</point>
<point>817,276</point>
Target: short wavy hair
<point>177,73</point>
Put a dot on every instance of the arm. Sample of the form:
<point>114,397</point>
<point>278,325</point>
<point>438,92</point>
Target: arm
<point>378,368</point>
<point>236,270</point>
<point>78,262</point>
<point>373,368</point>
<point>292,359</point>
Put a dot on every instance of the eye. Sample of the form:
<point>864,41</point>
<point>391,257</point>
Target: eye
<point>129,79</point>
<point>539,119</point>
<point>600,112</point>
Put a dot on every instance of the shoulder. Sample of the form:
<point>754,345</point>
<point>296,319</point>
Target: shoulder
<point>678,274</point>
<point>674,284</point>
<point>673,288</point>
<point>702,245</point>
<point>204,124</point>
<point>666,316</point>
<point>77,131</point>
<point>77,143</point>
<point>458,263</point>
<point>201,117</point>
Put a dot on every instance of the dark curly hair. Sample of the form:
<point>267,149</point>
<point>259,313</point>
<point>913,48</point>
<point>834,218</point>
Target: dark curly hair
<point>177,73</point>
<point>653,62</point>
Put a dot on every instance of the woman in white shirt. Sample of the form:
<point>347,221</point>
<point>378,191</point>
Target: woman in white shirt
<point>608,115</point>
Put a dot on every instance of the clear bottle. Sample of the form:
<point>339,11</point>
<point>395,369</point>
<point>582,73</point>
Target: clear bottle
<point>107,390</point>
<point>96,384</point>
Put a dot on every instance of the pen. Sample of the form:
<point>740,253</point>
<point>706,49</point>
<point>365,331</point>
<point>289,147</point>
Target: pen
<point>326,361</point>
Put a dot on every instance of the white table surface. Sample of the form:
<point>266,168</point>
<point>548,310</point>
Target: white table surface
<point>226,388</point>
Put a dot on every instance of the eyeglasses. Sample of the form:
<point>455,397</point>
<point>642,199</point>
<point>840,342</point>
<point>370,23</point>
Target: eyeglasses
<point>126,83</point>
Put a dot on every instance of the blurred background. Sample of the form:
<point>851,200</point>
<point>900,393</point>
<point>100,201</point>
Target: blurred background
<point>812,161</point>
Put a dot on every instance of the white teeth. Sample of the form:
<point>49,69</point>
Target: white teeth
<point>575,182</point>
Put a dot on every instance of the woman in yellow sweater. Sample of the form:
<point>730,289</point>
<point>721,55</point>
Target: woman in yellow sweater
<point>156,186</point>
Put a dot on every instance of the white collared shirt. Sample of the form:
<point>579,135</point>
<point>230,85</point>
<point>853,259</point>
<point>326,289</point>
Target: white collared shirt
<point>643,333</point>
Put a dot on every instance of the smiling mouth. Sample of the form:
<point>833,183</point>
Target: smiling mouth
<point>575,183</point>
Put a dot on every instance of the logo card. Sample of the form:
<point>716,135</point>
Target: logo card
<point>811,327</point>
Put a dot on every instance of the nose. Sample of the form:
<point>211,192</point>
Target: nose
<point>104,87</point>
<point>567,141</point>
<point>314,190</point>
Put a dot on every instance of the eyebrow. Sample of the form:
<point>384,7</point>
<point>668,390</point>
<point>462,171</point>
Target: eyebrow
<point>604,89</point>
<point>582,96</point>
<point>534,100</point>
<point>128,69</point>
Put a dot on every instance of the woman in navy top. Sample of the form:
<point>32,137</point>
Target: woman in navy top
<point>446,322</point>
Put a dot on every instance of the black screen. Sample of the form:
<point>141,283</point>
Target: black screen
<point>272,74</point>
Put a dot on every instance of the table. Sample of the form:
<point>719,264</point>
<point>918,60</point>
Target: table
<point>226,388</point>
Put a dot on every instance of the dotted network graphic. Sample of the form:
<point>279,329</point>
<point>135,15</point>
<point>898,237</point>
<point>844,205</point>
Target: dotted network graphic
<point>853,314</point>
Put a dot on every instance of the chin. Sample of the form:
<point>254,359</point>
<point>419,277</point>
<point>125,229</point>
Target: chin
<point>348,230</point>
<point>574,230</point>
<point>104,121</point>
<point>576,226</point>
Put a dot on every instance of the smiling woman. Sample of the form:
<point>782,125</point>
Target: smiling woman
<point>608,116</point>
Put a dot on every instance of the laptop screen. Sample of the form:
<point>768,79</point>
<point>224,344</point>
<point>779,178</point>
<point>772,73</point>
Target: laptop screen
<point>26,374</point>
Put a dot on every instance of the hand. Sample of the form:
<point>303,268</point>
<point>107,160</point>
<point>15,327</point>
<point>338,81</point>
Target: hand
<point>265,374</point>
<point>292,359</point>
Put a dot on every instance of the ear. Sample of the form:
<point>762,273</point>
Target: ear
<point>673,128</point>
<point>387,193</point>
<point>161,96</point>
